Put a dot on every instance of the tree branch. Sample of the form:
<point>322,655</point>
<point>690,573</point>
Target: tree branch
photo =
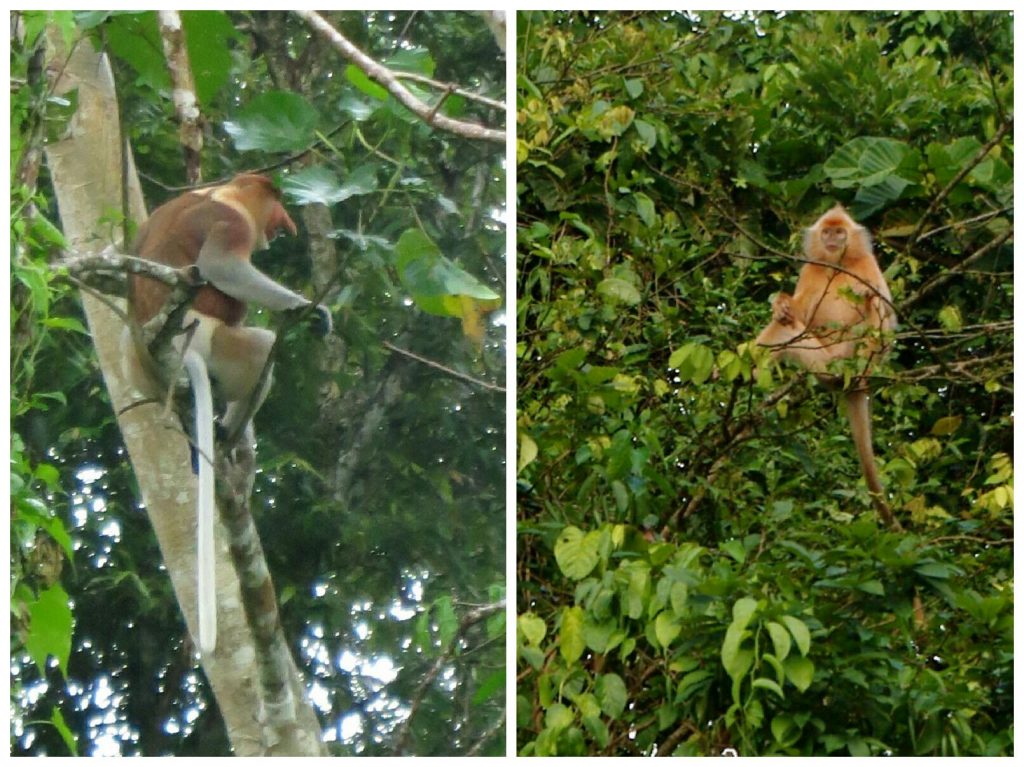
<point>389,80</point>
<point>468,621</point>
<point>443,369</point>
<point>947,190</point>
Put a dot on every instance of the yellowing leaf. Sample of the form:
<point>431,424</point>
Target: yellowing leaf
<point>946,425</point>
<point>527,451</point>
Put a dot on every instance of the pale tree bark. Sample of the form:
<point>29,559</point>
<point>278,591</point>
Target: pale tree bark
<point>86,170</point>
<point>186,105</point>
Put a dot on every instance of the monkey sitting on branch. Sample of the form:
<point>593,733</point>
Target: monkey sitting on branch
<point>841,309</point>
<point>215,231</point>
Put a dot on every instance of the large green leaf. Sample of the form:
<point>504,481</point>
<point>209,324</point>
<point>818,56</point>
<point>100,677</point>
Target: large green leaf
<point>50,628</point>
<point>135,38</point>
<point>577,554</point>
<point>319,184</point>
<point>275,121</point>
<point>207,36</point>
<point>438,286</point>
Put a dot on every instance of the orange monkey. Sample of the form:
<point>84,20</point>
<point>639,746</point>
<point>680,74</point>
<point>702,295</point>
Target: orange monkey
<point>841,308</point>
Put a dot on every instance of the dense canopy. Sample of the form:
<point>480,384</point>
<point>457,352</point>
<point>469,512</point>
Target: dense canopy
<point>381,449</point>
<point>700,569</point>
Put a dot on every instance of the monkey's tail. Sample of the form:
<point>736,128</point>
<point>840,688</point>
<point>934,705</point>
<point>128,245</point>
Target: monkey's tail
<point>205,578</point>
<point>858,408</point>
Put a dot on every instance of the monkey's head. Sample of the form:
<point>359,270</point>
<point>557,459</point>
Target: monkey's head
<point>831,234</point>
<point>263,200</point>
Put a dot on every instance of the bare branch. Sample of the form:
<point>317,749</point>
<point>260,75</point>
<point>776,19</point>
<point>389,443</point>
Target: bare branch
<point>443,369</point>
<point>953,271</point>
<point>388,79</point>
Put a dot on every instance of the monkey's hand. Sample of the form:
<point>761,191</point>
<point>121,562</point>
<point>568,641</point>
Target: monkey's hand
<point>782,309</point>
<point>320,315</point>
<point>324,317</point>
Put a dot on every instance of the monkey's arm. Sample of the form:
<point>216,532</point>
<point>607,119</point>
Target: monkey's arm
<point>232,273</point>
<point>791,340</point>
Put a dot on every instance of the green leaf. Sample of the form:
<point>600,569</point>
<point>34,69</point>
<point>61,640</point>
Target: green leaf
<point>935,570</point>
<point>527,451</point>
<point>598,730</point>
<point>785,730</point>
<point>208,35</point>
<point>800,671</point>
<point>865,161</point>
<point>768,684</point>
<point>800,633</point>
<point>447,621</point>
<point>679,594</point>
<point>558,716</point>
<point>51,624</point>
<point>358,78</point>
<point>637,591</point>
<point>275,121</point>
<point>611,694</point>
<point>780,639</point>
<point>645,209</point>
<point>873,586</point>
<point>69,738</point>
<point>417,60</point>
<point>576,553</point>
<point>694,362</point>
<point>946,426</point>
<point>52,525</point>
<point>735,661</point>
<point>437,284</point>
<point>619,290</point>
<point>570,638</point>
<point>742,611</point>
<point>690,682</point>
<point>634,86</point>
<point>666,628</point>
<point>532,627</point>
<point>135,38</point>
<point>318,184</point>
<point>647,132</point>
<point>735,550</point>
<point>950,318</point>
<point>489,686</point>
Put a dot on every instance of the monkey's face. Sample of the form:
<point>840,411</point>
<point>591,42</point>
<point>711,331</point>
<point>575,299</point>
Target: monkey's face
<point>277,218</point>
<point>833,240</point>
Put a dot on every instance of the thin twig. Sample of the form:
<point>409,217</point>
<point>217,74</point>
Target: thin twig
<point>948,189</point>
<point>468,620</point>
<point>439,366</point>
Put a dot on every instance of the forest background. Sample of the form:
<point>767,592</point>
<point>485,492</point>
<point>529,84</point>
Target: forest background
<point>381,448</point>
<point>699,568</point>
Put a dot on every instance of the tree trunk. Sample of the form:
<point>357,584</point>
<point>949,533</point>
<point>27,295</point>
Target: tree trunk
<point>86,170</point>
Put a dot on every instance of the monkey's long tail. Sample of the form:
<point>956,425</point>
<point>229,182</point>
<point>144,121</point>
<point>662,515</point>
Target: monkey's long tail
<point>858,408</point>
<point>205,578</point>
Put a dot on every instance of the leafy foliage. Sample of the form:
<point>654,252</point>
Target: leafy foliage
<point>382,481</point>
<point>699,568</point>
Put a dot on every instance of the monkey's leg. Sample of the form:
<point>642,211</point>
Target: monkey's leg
<point>793,342</point>
<point>238,356</point>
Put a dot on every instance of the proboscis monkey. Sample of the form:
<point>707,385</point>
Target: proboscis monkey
<point>217,230</point>
<point>841,308</point>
